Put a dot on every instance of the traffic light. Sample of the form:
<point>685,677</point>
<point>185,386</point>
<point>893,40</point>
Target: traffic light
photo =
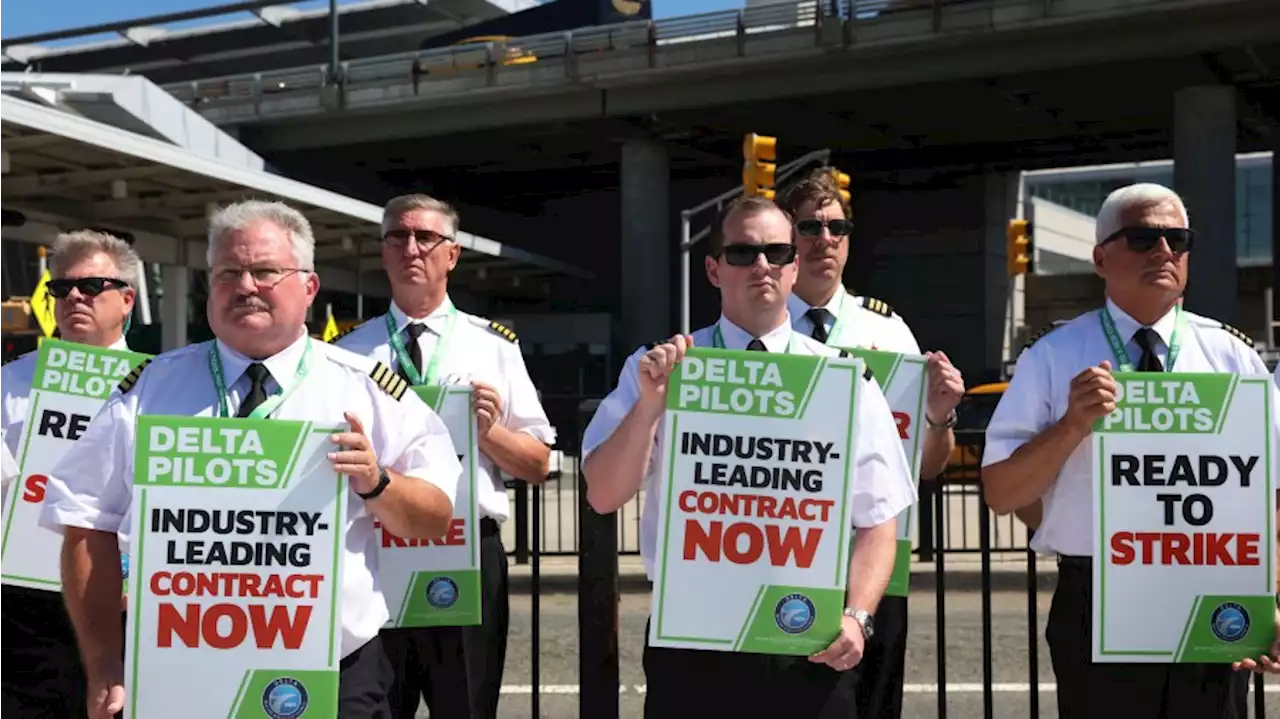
<point>758,177</point>
<point>842,182</point>
<point>1018,251</point>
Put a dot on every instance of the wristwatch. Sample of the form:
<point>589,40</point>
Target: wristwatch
<point>948,423</point>
<point>863,618</point>
<point>383,480</point>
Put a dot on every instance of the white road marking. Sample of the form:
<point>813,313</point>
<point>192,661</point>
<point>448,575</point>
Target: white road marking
<point>953,688</point>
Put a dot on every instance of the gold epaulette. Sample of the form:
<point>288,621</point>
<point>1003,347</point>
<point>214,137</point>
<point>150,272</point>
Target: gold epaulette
<point>502,331</point>
<point>879,307</point>
<point>1035,337</point>
<point>1238,334</point>
<point>131,379</point>
<point>390,382</point>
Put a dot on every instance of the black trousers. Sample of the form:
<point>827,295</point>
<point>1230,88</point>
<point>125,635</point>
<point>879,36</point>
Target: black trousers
<point>364,684</point>
<point>41,674</point>
<point>1128,691</point>
<point>696,684</point>
<point>879,689</point>
<point>456,670</point>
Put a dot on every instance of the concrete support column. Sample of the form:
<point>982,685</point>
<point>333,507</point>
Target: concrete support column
<point>1273,330</point>
<point>1004,298</point>
<point>176,281</point>
<point>647,245</point>
<point>1204,174</point>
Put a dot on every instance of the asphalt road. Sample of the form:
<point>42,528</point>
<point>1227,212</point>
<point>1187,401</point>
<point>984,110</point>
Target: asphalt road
<point>963,635</point>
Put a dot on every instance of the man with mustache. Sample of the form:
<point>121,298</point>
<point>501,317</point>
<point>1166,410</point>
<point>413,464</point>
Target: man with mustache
<point>397,458</point>
<point>821,308</point>
<point>457,670</point>
<point>753,263</point>
<point>93,280</point>
<point>1039,446</point>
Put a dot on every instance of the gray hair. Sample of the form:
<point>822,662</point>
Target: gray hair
<point>408,203</point>
<point>239,215</point>
<point>71,247</point>
<point>1143,194</point>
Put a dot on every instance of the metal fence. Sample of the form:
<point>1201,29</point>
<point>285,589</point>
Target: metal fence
<point>598,539</point>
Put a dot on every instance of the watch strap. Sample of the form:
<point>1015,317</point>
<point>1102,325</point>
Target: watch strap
<point>383,480</point>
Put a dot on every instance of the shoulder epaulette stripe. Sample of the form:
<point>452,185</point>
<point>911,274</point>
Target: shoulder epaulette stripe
<point>1238,334</point>
<point>502,331</point>
<point>390,382</point>
<point>868,375</point>
<point>1038,334</point>
<point>131,379</point>
<point>879,307</point>
<point>343,333</point>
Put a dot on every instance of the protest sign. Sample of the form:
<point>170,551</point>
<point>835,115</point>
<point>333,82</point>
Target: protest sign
<point>902,378</point>
<point>436,582</point>
<point>754,522</point>
<point>71,383</point>
<point>236,546</point>
<point>1182,486</point>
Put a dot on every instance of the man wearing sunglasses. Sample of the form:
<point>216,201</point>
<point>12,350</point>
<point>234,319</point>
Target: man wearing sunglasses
<point>93,276</point>
<point>822,308</point>
<point>1038,445</point>
<point>753,263</point>
<point>456,670</point>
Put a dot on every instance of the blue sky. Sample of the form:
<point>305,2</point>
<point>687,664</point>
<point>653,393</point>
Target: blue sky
<point>26,17</point>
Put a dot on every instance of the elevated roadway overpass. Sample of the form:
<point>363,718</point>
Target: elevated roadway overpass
<point>590,151</point>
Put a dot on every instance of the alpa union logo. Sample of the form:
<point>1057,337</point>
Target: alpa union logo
<point>442,592</point>
<point>794,614</point>
<point>284,698</point>
<point>1230,622</point>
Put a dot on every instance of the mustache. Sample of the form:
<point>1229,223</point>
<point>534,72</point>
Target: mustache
<point>252,302</point>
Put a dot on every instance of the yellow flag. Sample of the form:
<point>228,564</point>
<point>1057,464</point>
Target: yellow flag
<point>330,329</point>
<point>42,306</point>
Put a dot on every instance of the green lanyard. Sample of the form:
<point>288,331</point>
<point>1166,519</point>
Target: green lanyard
<point>1118,346</point>
<point>402,355</point>
<point>839,323</point>
<point>717,340</point>
<point>287,385</point>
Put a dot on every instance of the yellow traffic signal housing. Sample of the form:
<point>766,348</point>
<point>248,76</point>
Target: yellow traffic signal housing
<point>1018,249</point>
<point>759,176</point>
<point>842,182</point>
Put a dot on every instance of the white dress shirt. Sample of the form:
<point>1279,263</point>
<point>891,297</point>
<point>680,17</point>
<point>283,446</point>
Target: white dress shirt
<point>1038,394</point>
<point>882,486</point>
<point>92,487</point>
<point>859,327</point>
<point>475,352</point>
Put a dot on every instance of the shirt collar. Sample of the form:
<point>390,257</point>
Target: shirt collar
<point>434,321</point>
<point>281,365</point>
<point>736,338</point>
<point>1127,325</point>
<point>798,307</point>
<point>119,344</point>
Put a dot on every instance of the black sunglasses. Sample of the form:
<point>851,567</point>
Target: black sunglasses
<point>813,227</point>
<point>1145,239</point>
<point>88,286</point>
<point>777,253</point>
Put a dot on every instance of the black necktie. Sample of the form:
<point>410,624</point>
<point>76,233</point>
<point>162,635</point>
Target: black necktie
<point>1145,338</point>
<point>756,346</point>
<point>412,332</point>
<point>258,374</point>
<point>818,316</point>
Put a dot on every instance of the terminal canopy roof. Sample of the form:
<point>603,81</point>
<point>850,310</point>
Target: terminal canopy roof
<point>65,170</point>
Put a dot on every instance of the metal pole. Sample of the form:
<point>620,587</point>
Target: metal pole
<point>685,249</point>
<point>334,62</point>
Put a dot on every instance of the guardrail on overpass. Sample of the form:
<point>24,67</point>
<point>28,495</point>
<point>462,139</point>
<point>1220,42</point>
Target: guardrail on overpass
<point>626,52</point>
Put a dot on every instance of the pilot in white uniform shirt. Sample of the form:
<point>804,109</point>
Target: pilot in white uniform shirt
<point>882,486</point>
<point>853,321</point>
<point>475,349</point>
<point>1037,397</point>
<point>16,379</point>
<point>92,486</point>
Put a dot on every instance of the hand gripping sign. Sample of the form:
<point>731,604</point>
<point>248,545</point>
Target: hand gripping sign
<point>903,379</point>
<point>436,582</point>
<point>71,383</point>
<point>236,547</point>
<point>1184,568</point>
<point>754,518</point>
